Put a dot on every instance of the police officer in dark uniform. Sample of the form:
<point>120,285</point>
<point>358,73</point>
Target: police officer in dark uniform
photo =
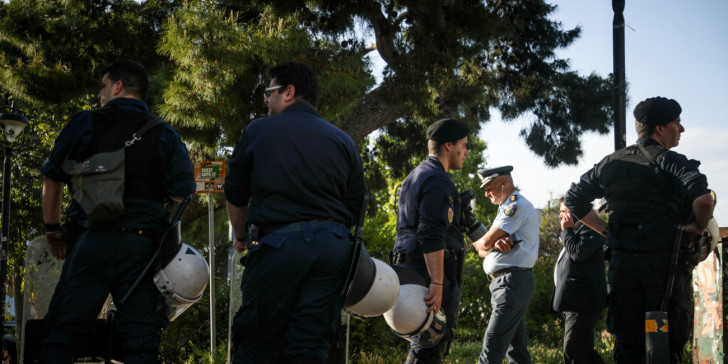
<point>430,227</point>
<point>650,192</point>
<point>297,182</point>
<point>107,257</point>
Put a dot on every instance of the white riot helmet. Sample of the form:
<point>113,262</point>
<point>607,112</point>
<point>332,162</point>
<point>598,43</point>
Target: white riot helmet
<point>373,287</point>
<point>409,317</point>
<point>709,240</point>
<point>183,280</point>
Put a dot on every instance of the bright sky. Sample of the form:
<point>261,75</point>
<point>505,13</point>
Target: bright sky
<point>674,48</point>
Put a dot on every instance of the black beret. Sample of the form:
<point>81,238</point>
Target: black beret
<point>488,174</point>
<point>447,130</point>
<point>657,111</point>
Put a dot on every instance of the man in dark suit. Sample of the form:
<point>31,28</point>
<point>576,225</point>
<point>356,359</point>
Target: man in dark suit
<point>581,287</point>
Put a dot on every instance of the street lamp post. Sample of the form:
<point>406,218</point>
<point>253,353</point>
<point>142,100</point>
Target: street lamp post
<point>620,88</point>
<point>12,122</point>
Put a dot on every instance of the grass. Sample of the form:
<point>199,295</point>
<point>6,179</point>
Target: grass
<point>468,352</point>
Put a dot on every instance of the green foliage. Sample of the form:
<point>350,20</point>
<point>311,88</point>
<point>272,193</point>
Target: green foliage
<point>52,51</point>
<point>444,59</point>
<point>221,59</point>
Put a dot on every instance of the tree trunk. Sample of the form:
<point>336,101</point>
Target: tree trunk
<point>373,111</point>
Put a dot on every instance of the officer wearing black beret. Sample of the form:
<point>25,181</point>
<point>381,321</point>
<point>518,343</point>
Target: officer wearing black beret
<point>509,249</point>
<point>430,227</point>
<point>651,192</point>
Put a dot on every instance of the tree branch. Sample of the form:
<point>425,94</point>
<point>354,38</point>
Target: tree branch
<point>372,112</point>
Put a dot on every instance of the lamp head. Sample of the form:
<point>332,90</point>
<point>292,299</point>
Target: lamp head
<point>12,124</point>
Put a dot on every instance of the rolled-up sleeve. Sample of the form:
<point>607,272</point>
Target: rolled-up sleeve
<point>434,212</point>
<point>356,186</point>
<point>179,178</point>
<point>63,145</point>
<point>237,181</point>
<point>579,197</point>
<point>691,184</point>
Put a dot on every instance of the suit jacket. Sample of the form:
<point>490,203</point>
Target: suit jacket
<point>581,284</point>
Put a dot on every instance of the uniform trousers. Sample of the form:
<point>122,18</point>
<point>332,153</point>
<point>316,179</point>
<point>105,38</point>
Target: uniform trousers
<point>506,332</point>
<point>638,281</point>
<point>291,294</point>
<point>579,337</point>
<point>99,263</point>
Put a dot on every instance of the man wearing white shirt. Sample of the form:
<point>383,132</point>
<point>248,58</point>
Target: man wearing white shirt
<point>510,249</point>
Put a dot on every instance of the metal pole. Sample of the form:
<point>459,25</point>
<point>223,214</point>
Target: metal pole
<point>211,222</point>
<point>5,231</point>
<point>620,92</point>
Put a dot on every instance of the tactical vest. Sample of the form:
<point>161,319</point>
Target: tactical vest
<point>637,189</point>
<point>111,128</point>
<point>643,209</point>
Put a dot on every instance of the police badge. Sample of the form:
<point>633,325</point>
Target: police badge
<point>510,210</point>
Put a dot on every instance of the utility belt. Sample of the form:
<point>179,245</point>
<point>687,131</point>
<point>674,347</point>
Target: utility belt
<point>453,262</point>
<point>256,232</point>
<point>71,231</point>
<point>400,258</point>
<point>505,271</point>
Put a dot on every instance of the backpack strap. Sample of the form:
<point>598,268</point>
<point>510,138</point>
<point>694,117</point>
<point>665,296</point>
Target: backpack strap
<point>151,123</point>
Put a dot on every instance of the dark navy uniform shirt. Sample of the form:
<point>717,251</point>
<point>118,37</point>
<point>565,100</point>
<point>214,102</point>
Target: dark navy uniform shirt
<point>178,175</point>
<point>296,166</point>
<point>428,218</point>
<point>679,176</point>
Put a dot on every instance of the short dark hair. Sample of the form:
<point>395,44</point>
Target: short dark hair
<point>131,74</point>
<point>644,130</point>
<point>434,147</point>
<point>301,76</point>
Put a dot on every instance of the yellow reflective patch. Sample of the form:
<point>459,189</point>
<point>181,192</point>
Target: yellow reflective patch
<point>450,215</point>
<point>651,326</point>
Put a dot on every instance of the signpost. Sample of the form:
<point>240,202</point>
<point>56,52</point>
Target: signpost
<point>210,177</point>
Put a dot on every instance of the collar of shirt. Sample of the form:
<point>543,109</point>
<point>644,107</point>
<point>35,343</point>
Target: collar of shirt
<point>435,161</point>
<point>301,106</point>
<point>128,103</point>
<point>646,141</point>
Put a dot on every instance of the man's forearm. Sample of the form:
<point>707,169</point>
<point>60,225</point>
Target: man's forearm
<point>703,209</point>
<point>488,240</point>
<point>435,262</point>
<point>52,199</point>
<point>593,221</point>
<point>237,215</point>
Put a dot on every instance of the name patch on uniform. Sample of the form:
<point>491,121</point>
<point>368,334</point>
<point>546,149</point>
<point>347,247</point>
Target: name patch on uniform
<point>510,210</point>
<point>450,215</point>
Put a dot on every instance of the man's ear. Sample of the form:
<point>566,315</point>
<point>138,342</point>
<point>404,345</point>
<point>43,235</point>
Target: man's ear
<point>289,93</point>
<point>117,88</point>
<point>448,146</point>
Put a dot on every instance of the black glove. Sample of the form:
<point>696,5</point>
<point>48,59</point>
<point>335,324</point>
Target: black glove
<point>468,220</point>
<point>469,223</point>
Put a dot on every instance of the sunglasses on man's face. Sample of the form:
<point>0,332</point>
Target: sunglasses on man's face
<point>268,90</point>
